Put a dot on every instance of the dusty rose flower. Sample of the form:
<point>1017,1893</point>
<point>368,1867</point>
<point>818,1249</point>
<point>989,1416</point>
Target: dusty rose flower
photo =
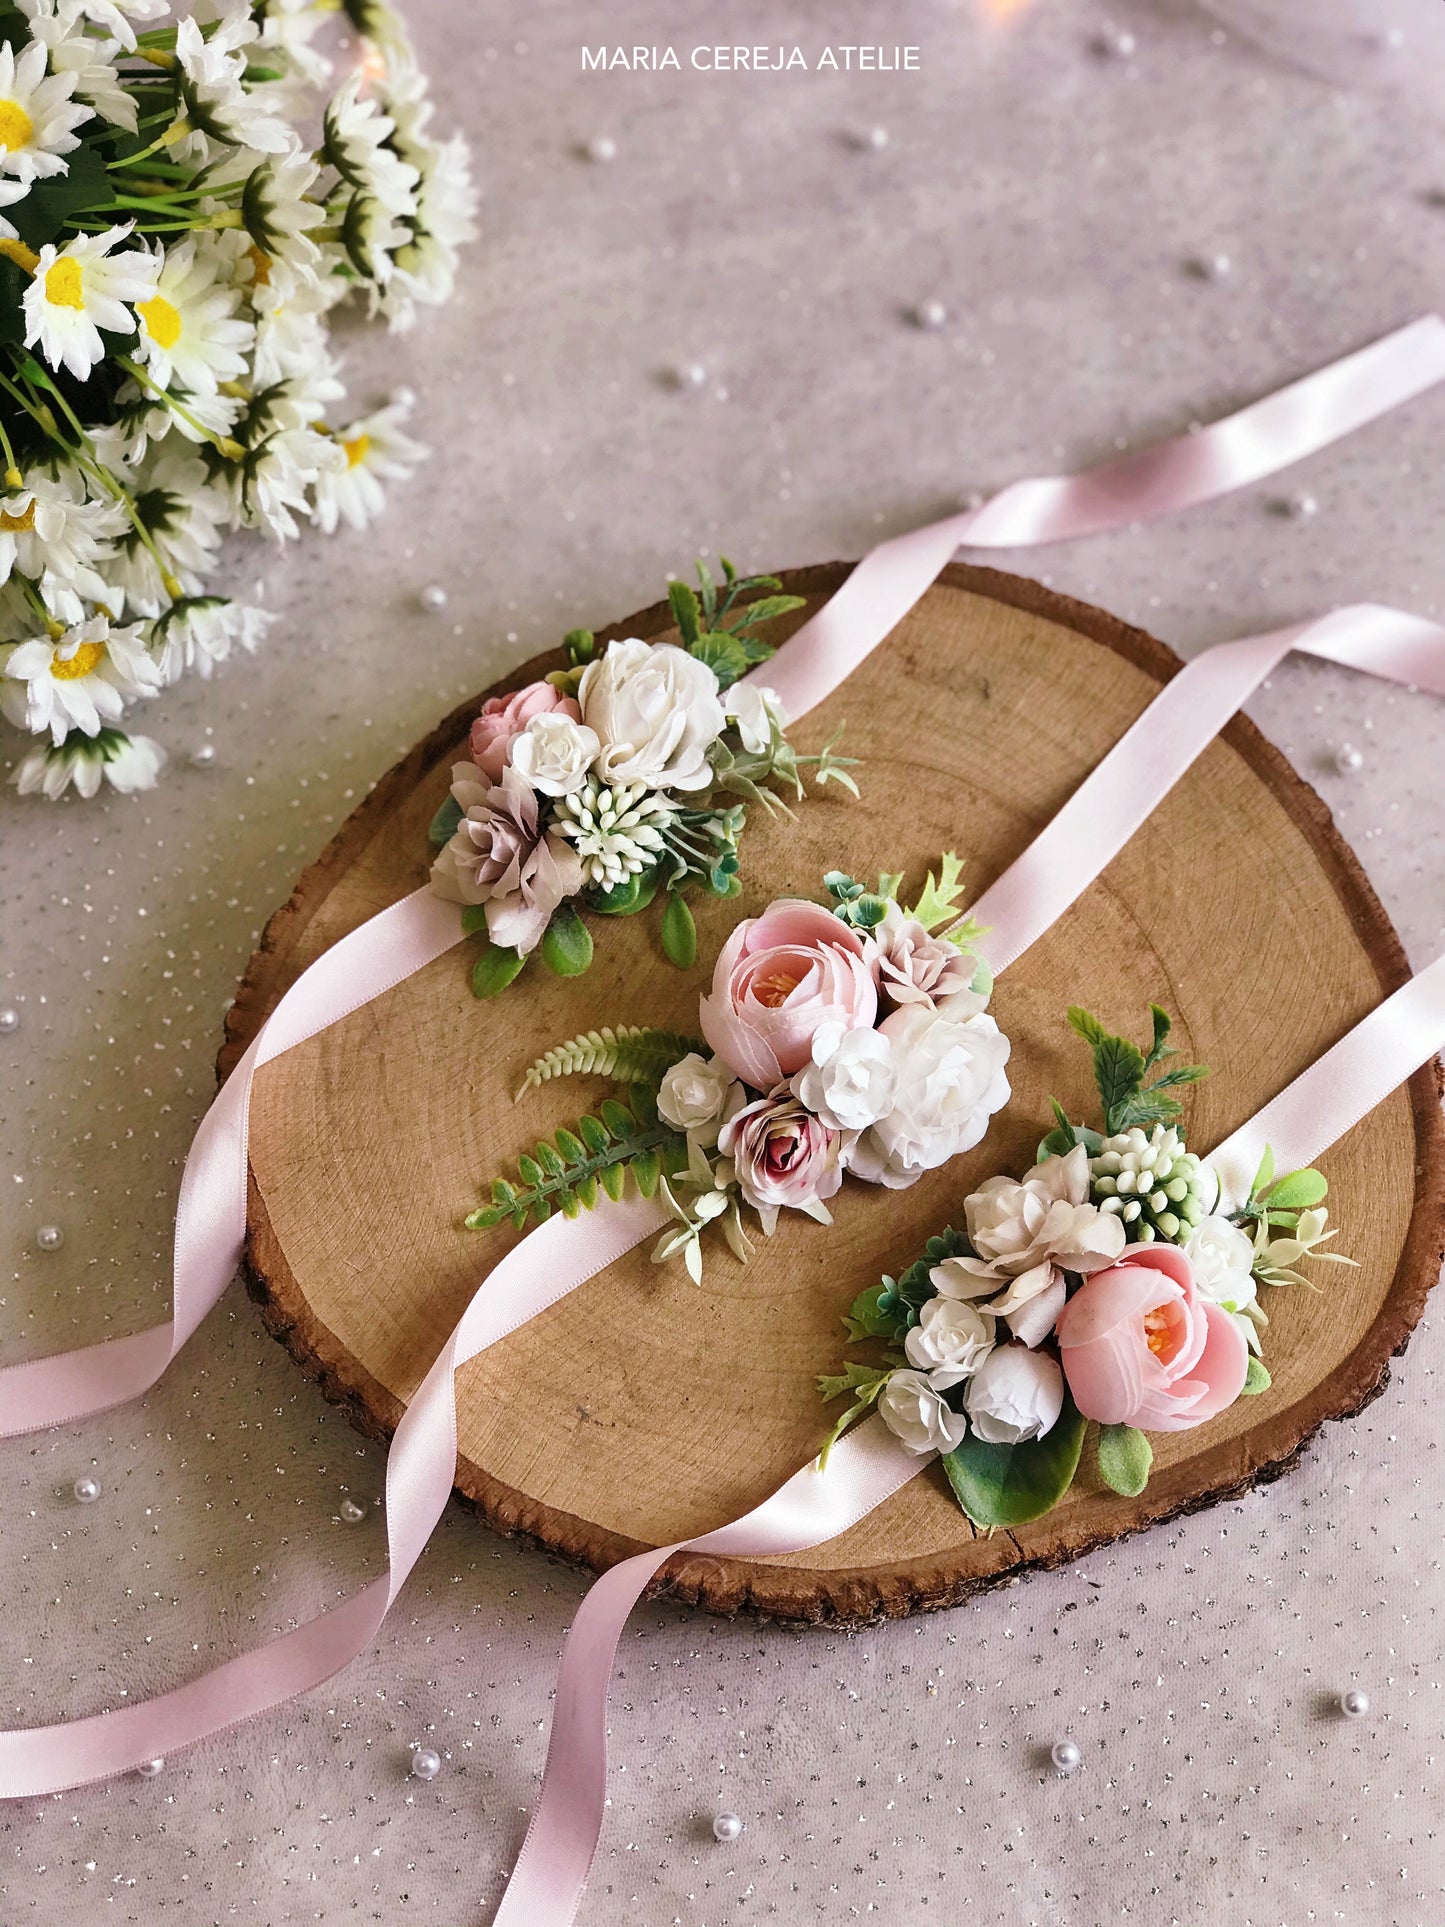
<point>915,968</point>
<point>499,857</point>
<point>783,1156</point>
<point>1141,1347</point>
<point>504,717</point>
<point>779,979</point>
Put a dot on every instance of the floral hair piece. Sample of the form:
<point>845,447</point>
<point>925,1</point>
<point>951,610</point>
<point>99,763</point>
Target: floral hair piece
<point>1103,1286</point>
<point>628,773</point>
<point>841,1037</point>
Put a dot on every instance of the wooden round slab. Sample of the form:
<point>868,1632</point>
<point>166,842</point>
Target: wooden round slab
<point>644,1408</point>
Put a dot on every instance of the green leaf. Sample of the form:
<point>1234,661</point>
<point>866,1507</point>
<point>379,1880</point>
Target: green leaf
<point>1256,1379</point>
<point>629,1054</point>
<point>1299,1191</point>
<point>1086,1024</point>
<point>767,609</point>
<point>444,823</point>
<point>614,1180</point>
<point>1264,1176</point>
<point>684,612</point>
<point>567,945</point>
<point>869,1318</point>
<point>646,1168</point>
<point>495,969</point>
<point>581,646</point>
<point>1008,1485</point>
<point>679,933</point>
<point>723,654</point>
<point>626,899</point>
<point>617,1118</point>
<point>1163,1024</point>
<point>474,918</point>
<point>1118,1072</point>
<point>1125,1456</point>
<point>939,902</point>
<point>41,214</point>
<point>709,590</point>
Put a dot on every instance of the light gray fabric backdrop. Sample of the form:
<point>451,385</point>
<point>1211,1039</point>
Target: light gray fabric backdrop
<point>1053,200</point>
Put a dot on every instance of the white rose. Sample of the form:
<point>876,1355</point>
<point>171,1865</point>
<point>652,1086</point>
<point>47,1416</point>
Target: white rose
<point>1223,1260</point>
<point>1015,1395</point>
<point>656,712</point>
<point>696,1095</point>
<point>949,1341</point>
<point>950,1082</point>
<point>1015,1225</point>
<point>916,1415</point>
<point>554,753</point>
<point>852,1080</point>
<point>754,709</point>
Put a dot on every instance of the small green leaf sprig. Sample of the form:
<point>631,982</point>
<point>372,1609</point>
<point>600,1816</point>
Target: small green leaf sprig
<point>696,843</point>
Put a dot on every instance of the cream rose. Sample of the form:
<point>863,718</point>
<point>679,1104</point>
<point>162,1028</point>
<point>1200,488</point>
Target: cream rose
<point>1222,1256</point>
<point>755,709</point>
<point>916,1415</point>
<point>656,711</point>
<point>696,1095</point>
<point>852,1080</point>
<point>1016,1225</point>
<point>554,753</point>
<point>950,1082</point>
<point>1015,1395</point>
<point>949,1342</point>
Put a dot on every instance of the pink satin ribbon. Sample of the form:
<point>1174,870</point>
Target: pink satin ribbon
<point>552,1261</point>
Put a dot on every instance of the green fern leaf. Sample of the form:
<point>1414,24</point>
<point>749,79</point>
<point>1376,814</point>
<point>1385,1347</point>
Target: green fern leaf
<point>628,1053</point>
<point>568,1171</point>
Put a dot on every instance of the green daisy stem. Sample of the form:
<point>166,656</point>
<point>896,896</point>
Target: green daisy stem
<point>55,630</point>
<point>177,130</point>
<point>13,477</point>
<point>223,444</point>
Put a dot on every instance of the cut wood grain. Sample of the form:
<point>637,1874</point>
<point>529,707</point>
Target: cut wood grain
<point>644,1408</point>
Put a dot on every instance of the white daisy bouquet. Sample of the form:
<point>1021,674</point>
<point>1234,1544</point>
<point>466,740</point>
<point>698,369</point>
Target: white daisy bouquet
<point>183,201</point>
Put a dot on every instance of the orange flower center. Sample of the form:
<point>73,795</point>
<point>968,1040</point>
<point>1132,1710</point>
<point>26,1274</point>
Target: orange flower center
<point>72,668</point>
<point>13,524</point>
<point>1160,1328</point>
<point>774,990</point>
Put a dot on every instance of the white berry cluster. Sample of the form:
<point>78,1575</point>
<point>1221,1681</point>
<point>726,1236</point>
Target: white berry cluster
<point>1150,1181</point>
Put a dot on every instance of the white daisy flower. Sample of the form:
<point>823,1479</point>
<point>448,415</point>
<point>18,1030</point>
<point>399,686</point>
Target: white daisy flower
<point>200,631</point>
<point>355,139</point>
<point>51,523</point>
<point>212,82</point>
<point>149,419</point>
<point>10,193</point>
<point>290,329</point>
<point>277,211</point>
<point>56,26</point>
<point>128,764</point>
<point>371,233</point>
<point>376,450</point>
<point>183,512</point>
<point>37,115</point>
<point>269,487</point>
<point>115,16</point>
<point>288,28</point>
<point>191,331</point>
<point>80,681</point>
<point>81,288</point>
<point>426,265</point>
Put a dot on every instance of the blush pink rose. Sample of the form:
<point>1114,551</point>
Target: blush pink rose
<point>783,1156</point>
<point>779,977</point>
<point>1141,1347</point>
<point>504,717</point>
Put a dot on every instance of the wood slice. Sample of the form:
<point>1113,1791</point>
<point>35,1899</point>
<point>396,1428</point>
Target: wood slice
<point>643,1408</point>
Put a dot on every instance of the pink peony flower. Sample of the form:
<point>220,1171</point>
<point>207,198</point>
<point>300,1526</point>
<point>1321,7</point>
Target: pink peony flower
<point>784,1156</point>
<point>779,977</point>
<point>500,857</point>
<point>504,717</point>
<point>1141,1347</point>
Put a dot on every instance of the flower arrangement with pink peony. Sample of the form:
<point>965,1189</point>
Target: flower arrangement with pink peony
<point>1104,1285</point>
<point>846,1037</point>
<point>626,774</point>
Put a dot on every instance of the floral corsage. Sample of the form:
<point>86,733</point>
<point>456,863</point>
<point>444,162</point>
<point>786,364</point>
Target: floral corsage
<point>1104,1285</point>
<point>850,1036</point>
<point>627,773</point>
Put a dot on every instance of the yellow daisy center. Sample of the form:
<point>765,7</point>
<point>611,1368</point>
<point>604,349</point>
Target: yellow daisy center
<point>71,669</point>
<point>260,266</point>
<point>13,524</point>
<point>356,449</point>
<point>162,320</point>
<point>62,283</point>
<point>16,126</point>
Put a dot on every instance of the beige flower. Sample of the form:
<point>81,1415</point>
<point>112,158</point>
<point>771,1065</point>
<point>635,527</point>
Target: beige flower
<point>916,968</point>
<point>500,857</point>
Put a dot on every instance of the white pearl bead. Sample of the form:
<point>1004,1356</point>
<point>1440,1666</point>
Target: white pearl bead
<point>1215,267</point>
<point>876,138</point>
<point>972,502</point>
<point>1354,1704</point>
<point>727,1827</point>
<point>203,756</point>
<point>9,1020</point>
<point>151,1769</point>
<point>1066,1756</point>
<point>404,397</point>
<point>930,314</point>
<point>86,1489</point>
<point>1349,760</point>
<point>433,598</point>
<point>1117,43</point>
<point>689,374</point>
<point>351,1513</point>
<point>50,1237</point>
<point>1392,39</point>
<point>1303,505</point>
<point>603,148</point>
<point>426,1763</point>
